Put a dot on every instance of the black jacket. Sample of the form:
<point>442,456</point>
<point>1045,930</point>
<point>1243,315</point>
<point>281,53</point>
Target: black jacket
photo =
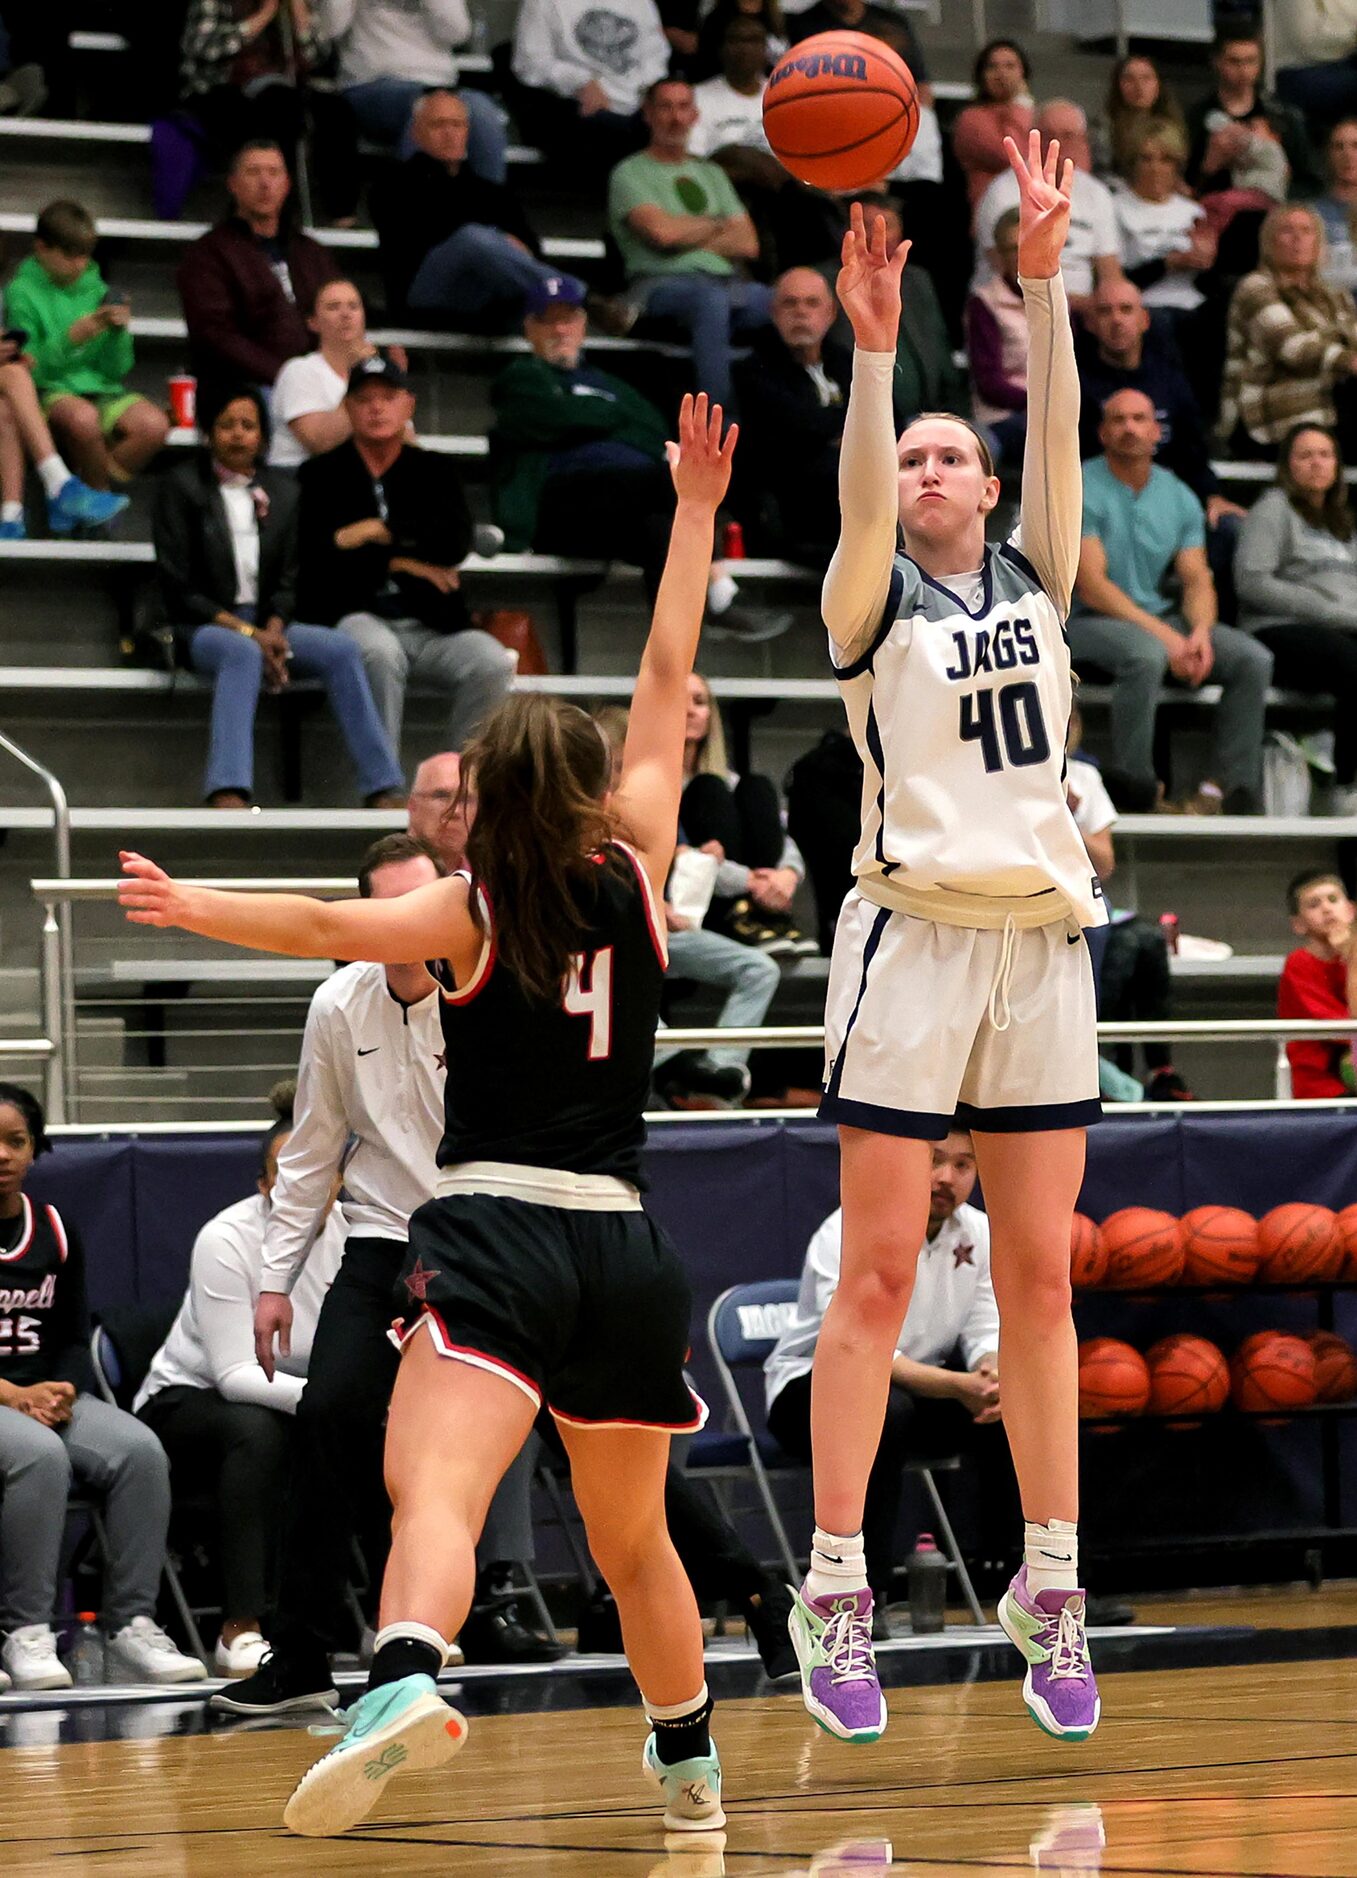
<point>194,560</point>
<point>427,514</point>
<point>418,203</point>
<point>785,426</point>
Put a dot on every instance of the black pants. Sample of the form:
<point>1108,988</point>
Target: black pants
<point>1321,658</point>
<point>239,1452</point>
<point>1134,985</point>
<point>610,514</point>
<point>593,145</point>
<point>746,820</point>
<point>284,114</point>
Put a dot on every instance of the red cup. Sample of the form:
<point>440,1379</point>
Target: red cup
<point>183,389</point>
<point>732,543</point>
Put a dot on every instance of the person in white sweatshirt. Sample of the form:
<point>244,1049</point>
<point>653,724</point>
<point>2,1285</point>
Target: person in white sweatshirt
<point>582,71</point>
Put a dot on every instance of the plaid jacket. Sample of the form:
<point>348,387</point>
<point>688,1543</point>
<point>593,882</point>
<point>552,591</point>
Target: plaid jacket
<point>1282,355</point>
<point>215,50</point>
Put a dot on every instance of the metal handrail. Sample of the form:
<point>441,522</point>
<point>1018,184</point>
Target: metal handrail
<point>77,892</point>
<point>58,951</point>
<point>27,1046</point>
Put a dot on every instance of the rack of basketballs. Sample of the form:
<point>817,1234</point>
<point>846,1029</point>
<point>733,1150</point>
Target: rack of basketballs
<point>1217,1254</point>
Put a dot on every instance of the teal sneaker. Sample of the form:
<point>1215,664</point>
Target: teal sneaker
<point>405,1727</point>
<point>692,1790</point>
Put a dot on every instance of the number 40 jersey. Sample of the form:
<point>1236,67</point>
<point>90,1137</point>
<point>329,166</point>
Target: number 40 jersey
<point>960,719</point>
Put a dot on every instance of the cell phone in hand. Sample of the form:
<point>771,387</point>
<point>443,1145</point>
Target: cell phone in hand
<point>15,336</point>
<point>114,296</point>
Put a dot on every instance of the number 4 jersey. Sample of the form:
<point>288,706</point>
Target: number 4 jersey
<point>560,1085</point>
<point>960,719</point>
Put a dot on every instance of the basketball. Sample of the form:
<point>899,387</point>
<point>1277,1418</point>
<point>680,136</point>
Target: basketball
<point>1113,1379</point>
<point>1298,1242</point>
<point>1088,1258</point>
<point>1346,1225</point>
<point>1188,1375</point>
<point>1272,1370</point>
<point>1143,1248</point>
<point>841,111</point>
<point>1335,1366</point>
<point>1220,1246</point>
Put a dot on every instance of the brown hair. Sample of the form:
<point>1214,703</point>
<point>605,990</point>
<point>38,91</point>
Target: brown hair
<point>540,771</point>
<point>1309,877</point>
<point>390,851</point>
<point>1334,512</point>
<point>951,417</point>
<point>1123,122</point>
<point>66,226</point>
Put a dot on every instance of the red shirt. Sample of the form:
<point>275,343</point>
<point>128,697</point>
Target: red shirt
<point>1314,987</point>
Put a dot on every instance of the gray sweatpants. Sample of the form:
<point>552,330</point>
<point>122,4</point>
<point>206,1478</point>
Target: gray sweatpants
<point>123,1464</point>
<point>472,668</point>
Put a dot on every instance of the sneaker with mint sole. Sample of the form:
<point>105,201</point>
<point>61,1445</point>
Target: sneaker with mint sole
<point>1048,1628</point>
<point>404,1727</point>
<point>76,505</point>
<point>832,1638</point>
<point>692,1789</point>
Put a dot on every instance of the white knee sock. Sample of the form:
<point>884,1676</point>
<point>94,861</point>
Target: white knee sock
<point>54,474</point>
<point>1051,1555</point>
<point>837,1564</point>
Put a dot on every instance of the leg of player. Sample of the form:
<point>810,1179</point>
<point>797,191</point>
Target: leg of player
<point>452,1433</point>
<point>1031,1183</point>
<point>884,1183</point>
<point>618,1478</point>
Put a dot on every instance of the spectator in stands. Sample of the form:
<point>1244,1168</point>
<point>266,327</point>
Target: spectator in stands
<point>927,377</point>
<point>1091,252</point>
<point>1166,240</point>
<point>1002,108</point>
<point>1140,523</point>
<point>248,284</point>
<point>933,1407</point>
<point>80,344</point>
<point>225,1424</point>
<point>1315,983</point>
<point>1292,341</point>
<point>244,77</point>
<point>1338,205</point>
<point>1239,136</point>
<point>308,415</point>
<point>438,812</point>
<point>1296,571</point>
<point>384,528</point>
<point>996,346</point>
<point>225,533</point>
<point>453,244</point>
<point>1314,50</point>
<point>391,52</point>
<point>71,503</point>
<point>582,72</point>
<point>886,23</point>
<point>683,235</point>
<point>729,105</point>
<point>715,1078</point>
<point>55,1432</point>
<point>1137,98</point>
<point>711,32</point>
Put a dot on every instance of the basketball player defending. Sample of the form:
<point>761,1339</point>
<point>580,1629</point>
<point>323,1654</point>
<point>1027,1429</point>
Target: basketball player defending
<point>960,980</point>
<point>535,1275</point>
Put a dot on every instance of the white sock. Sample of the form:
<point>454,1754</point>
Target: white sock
<point>11,511</point>
<point>1051,1555</point>
<point>837,1564</point>
<point>676,1711</point>
<point>54,474</point>
<point>721,590</point>
<point>413,1633</point>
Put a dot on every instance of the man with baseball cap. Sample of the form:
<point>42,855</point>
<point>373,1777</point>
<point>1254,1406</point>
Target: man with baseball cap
<point>384,528</point>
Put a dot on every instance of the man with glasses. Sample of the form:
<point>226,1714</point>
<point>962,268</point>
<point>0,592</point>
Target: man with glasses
<point>435,818</point>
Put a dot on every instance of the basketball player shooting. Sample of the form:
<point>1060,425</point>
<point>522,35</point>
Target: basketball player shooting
<point>960,982</point>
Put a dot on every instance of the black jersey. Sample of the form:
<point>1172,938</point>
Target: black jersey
<point>561,1085</point>
<point>43,1319</point>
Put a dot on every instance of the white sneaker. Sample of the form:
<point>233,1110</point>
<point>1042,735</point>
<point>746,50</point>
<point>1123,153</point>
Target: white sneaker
<point>1343,800</point>
<point>241,1657</point>
<point>4,1682</point>
<point>141,1652</point>
<point>30,1656</point>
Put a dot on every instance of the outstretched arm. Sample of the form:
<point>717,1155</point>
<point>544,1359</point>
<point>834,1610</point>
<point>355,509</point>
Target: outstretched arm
<point>647,799</point>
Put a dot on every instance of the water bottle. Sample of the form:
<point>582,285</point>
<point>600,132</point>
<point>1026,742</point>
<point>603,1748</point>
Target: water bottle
<point>86,1658</point>
<point>927,1587</point>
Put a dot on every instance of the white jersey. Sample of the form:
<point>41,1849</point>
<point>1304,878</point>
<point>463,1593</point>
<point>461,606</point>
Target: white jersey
<point>959,711</point>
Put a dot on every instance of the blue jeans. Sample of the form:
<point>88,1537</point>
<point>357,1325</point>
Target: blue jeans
<point>384,107</point>
<point>237,666</point>
<point>713,311</point>
<point>748,977</point>
<point>478,274</point>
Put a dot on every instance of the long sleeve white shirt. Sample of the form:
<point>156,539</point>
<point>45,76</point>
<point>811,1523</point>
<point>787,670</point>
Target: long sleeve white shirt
<point>561,45</point>
<point>211,1342</point>
<point>369,1099</point>
<point>409,39</point>
<point>952,1302</point>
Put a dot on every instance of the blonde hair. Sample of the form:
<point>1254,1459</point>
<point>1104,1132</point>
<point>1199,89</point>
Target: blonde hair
<point>711,758</point>
<point>1267,234</point>
<point>983,450</point>
<point>1153,133</point>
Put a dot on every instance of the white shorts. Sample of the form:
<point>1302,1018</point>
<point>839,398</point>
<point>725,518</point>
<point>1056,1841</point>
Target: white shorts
<point>911,1038</point>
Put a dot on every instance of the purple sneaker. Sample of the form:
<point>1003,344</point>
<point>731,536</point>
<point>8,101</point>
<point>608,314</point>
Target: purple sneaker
<point>1048,1627</point>
<point>832,1638</point>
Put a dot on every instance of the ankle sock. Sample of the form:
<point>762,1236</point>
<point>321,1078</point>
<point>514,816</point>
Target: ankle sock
<point>11,511</point>
<point>1051,1555</point>
<point>54,474</point>
<point>406,1650</point>
<point>837,1564</point>
<point>683,1732</point>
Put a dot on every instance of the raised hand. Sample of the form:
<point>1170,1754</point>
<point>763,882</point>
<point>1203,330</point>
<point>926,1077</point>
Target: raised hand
<point>869,282</point>
<point>700,462</point>
<point>1044,190</point>
<point>148,896</point>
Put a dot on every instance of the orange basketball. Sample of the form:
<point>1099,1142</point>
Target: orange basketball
<point>1113,1379</point>
<point>1273,1370</point>
<point>1347,1237</point>
<point>1143,1248</point>
<point>1088,1259</point>
<point>1335,1366</point>
<point>841,111</point>
<point>1188,1375</point>
<point>1220,1246</point>
<point>1299,1242</point>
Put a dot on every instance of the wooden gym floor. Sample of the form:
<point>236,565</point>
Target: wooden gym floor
<point>1227,1768</point>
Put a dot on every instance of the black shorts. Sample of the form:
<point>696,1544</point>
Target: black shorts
<point>585,1312</point>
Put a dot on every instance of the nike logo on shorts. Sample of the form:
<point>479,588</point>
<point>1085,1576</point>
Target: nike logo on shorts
<point>372,1052</point>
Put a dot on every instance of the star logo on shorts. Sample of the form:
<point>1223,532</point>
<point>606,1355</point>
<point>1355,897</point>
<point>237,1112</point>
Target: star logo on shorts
<point>962,1255</point>
<point>441,1058</point>
<point>417,1283</point>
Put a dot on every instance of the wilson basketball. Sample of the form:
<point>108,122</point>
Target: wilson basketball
<point>1335,1366</point>
<point>1188,1376</point>
<point>1113,1379</point>
<point>1088,1258</point>
<point>1272,1370</point>
<point>841,111</point>
<point>1299,1242</point>
<point>1346,1226</point>
<point>1143,1248</point>
<point>1220,1246</point>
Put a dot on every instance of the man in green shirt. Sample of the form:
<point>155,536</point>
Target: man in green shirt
<point>684,238</point>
